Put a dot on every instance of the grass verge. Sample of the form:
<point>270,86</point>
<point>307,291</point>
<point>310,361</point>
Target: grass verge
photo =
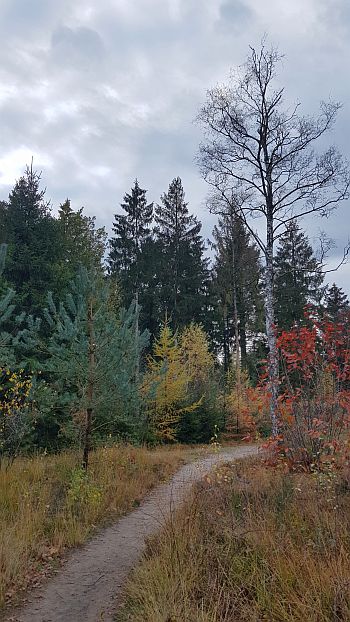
<point>250,544</point>
<point>47,504</point>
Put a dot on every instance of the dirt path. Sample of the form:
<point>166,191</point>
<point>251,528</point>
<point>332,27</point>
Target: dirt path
<point>86,588</point>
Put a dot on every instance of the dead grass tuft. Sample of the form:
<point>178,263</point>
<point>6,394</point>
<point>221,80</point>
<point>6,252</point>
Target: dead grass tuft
<point>250,544</point>
<point>47,505</point>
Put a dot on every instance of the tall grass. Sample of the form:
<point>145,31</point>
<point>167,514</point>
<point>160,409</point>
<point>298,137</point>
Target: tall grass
<point>249,545</point>
<point>48,504</point>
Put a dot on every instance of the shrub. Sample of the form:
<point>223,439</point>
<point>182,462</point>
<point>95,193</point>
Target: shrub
<point>314,401</point>
<point>15,389</point>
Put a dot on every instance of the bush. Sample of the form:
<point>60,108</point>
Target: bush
<point>15,387</point>
<point>314,402</point>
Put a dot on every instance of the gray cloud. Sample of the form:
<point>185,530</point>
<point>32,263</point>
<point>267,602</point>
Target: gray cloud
<point>235,14</point>
<point>103,92</point>
<point>78,46</point>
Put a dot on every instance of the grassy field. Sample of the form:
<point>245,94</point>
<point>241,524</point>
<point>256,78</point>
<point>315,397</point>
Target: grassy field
<point>249,545</point>
<point>48,505</point>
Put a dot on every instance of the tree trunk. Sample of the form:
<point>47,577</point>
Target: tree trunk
<point>226,341</point>
<point>243,343</point>
<point>237,344</point>
<point>90,389</point>
<point>235,312</point>
<point>137,360</point>
<point>270,329</point>
<point>236,326</point>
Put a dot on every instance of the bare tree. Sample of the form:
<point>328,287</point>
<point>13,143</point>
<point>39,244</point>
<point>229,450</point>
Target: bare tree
<point>259,159</point>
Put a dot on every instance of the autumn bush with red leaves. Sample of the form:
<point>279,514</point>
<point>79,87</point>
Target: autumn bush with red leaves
<point>314,396</point>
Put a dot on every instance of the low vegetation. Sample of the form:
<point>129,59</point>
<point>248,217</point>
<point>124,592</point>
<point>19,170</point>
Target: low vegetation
<point>251,544</point>
<point>49,504</point>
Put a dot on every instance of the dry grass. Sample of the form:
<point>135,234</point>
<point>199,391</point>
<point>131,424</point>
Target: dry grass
<point>250,545</point>
<point>47,505</point>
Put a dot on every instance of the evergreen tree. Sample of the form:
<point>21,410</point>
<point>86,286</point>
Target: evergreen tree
<point>83,243</point>
<point>33,243</point>
<point>336,302</point>
<point>298,277</point>
<point>17,336</point>
<point>131,256</point>
<point>131,231</point>
<point>7,308</point>
<point>3,222</point>
<point>182,270</point>
<point>94,358</point>
<point>238,288</point>
<point>18,333</point>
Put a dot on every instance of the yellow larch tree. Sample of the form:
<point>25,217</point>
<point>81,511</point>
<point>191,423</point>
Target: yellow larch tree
<point>165,386</point>
<point>195,354</point>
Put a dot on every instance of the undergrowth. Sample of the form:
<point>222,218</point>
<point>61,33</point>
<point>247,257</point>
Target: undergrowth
<point>250,544</point>
<point>48,504</point>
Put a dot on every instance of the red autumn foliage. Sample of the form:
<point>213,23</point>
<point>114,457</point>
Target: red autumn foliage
<point>314,399</point>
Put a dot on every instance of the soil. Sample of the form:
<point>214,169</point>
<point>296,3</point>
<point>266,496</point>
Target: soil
<point>89,584</point>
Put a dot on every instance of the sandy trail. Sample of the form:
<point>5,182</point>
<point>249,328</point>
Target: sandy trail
<point>87,587</point>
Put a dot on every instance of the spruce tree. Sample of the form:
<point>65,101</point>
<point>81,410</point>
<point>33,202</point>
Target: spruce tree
<point>182,270</point>
<point>131,256</point>
<point>336,302</point>
<point>131,231</point>
<point>18,335</point>
<point>3,222</point>
<point>83,243</point>
<point>33,243</point>
<point>7,308</point>
<point>238,288</point>
<point>298,277</point>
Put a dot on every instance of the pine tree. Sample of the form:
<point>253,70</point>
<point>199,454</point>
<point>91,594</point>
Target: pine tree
<point>94,357</point>
<point>298,277</point>
<point>238,289</point>
<point>33,243</point>
<point>336,302</point>
<point>183,270</point>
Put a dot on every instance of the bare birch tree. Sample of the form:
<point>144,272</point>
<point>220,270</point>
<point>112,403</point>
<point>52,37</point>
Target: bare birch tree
<point>258,156</point>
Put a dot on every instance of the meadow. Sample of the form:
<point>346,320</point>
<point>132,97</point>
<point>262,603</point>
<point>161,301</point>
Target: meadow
<point>48,504</point>
<point>250,544</point>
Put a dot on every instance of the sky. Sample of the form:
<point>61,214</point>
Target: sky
<point>99,93</point>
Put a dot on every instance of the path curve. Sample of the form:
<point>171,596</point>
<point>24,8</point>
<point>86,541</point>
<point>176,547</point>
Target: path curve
<point>86,588</point>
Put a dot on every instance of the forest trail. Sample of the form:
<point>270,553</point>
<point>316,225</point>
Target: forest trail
<point>87,587</point>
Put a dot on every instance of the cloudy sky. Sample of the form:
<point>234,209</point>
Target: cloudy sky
<point>99,92</point>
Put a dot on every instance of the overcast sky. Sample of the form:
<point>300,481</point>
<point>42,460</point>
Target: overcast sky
<point>101,92</point>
